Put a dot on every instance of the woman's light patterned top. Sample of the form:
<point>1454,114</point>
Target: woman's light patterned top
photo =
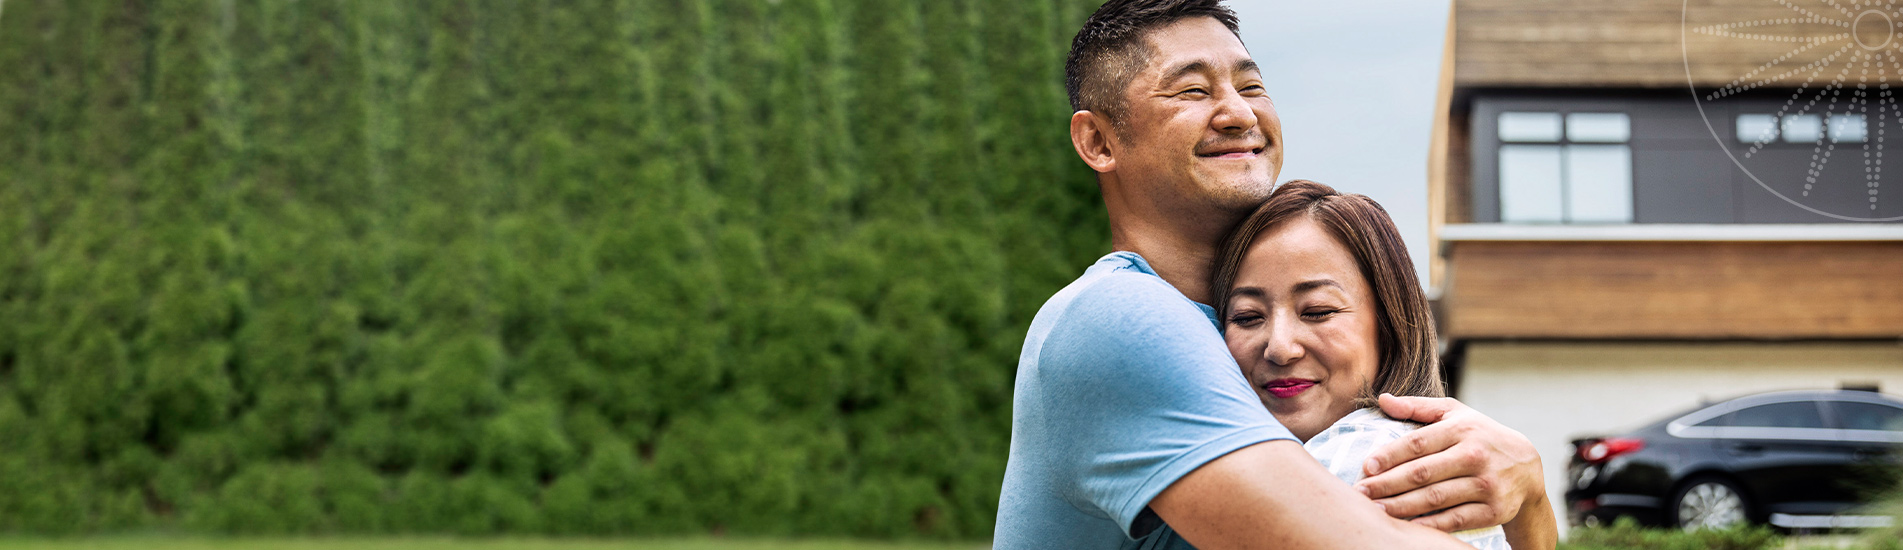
<point>1344,446</point>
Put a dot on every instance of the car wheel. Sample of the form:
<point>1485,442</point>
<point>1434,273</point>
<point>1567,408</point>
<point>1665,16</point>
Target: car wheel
<point>1710,503</point>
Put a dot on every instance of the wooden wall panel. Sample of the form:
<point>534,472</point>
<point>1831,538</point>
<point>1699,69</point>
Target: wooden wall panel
<point>1438,157</point>
<point>1637,43</point>
<point>1459,207</point>
<point>1696,290</point>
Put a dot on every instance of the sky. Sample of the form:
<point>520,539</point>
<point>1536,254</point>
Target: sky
<point>1354,83</point>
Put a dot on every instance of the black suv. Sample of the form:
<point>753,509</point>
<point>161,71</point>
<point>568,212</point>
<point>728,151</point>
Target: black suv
<point>1795,459</point>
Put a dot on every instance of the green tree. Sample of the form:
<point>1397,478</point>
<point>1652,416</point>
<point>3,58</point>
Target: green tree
<point>488,266</point>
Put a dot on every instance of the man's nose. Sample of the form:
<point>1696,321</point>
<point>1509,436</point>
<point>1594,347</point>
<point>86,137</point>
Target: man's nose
<point>1233,114</point>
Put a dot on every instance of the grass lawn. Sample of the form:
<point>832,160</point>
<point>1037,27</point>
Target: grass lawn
<point>157,542</point>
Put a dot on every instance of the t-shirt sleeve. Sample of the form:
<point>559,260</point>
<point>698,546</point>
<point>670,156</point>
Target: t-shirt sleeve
<point>1141,392</point>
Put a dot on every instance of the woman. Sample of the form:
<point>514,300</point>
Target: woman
<point>1320,307</point>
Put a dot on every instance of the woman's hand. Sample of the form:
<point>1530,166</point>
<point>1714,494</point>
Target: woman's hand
<point>1474,470</point>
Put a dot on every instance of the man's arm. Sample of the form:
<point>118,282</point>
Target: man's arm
<point>1274,495</point>
<point>1478,472</point>
<point>1139,405</point>
<point>1535,527</point>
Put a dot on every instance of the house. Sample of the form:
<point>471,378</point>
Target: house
<point>1640,205</point>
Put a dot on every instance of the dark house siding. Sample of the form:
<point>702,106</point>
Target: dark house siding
<point>1680,175</point>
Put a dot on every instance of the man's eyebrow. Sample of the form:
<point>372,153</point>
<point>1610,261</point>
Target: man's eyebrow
<point>1246,65</point>
<point>1187,68</point>
<point>1242,66</point>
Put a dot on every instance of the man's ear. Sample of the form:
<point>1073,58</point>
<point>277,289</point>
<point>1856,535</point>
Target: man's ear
<point>1091,135</point>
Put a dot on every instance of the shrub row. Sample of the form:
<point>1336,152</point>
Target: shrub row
<point>525,266</point>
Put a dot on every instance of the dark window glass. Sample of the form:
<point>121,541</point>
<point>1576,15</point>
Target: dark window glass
<point>1801,414</point>
<point>1869,416</point>
<point>1720,420</point>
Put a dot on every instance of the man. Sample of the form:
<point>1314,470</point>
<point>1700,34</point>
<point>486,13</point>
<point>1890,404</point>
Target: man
<point>1133,427</point>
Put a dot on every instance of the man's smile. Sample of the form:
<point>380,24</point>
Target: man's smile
<point>1238,147</point>
<point>1248,153</point>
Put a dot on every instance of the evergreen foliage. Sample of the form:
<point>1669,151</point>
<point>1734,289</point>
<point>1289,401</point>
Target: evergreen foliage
<point>525,266</point>
<point>1626,534</point>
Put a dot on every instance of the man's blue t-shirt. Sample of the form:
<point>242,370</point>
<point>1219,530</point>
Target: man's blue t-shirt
<point>1123,387</point>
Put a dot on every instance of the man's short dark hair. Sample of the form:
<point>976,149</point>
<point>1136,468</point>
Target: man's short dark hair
<point>1109,50</point>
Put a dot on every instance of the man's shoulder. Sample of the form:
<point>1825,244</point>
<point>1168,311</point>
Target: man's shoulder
<point>1113,291</point>
<point>1119,321</point>
<point>1117,270</point>
<point>1119,287</point>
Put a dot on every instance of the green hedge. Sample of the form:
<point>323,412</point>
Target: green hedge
<point>1625,534</point>
<point>594,267</point>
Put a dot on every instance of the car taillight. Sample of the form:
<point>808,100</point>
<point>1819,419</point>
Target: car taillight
<point>1605,449</point>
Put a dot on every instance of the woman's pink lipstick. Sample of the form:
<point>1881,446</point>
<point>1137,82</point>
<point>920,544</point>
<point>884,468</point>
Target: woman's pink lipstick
<point>1284,388</point>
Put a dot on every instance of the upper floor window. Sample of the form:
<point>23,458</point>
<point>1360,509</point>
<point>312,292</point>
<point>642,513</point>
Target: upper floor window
<point>1565,168</point>
<point>1805,128</point>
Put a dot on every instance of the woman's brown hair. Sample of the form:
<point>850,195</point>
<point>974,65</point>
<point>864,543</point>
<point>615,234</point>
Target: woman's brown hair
<point>1404,328</point>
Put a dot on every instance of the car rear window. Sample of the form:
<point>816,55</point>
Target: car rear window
<point>1869,416</point>
<point>1800,414</point>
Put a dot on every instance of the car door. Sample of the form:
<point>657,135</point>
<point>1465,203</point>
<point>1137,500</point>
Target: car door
<point>1785,456</point>
<point>1870,433</point>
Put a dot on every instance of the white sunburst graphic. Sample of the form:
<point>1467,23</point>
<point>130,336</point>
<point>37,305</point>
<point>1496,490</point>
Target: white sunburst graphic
<point>1810,84</point>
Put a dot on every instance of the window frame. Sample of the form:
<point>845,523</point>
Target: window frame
<point>1826,131</point>
<point>1564,144</point>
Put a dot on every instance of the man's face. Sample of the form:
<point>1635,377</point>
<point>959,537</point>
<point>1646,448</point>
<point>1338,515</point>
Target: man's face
<point>1201,132</point>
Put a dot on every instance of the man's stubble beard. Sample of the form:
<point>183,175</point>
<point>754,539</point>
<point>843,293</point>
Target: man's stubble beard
<point>1241,198</point>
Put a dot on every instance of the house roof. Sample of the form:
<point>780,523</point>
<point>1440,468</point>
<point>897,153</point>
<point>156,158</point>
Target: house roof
<point>1667,43</point>
<point>1741,232</point>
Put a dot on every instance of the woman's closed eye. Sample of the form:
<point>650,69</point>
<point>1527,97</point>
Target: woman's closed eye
<point>1318,314</point>
<point>1245,320</point>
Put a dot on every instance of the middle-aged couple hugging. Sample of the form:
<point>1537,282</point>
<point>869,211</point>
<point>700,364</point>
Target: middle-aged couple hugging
<point>1145,418</point>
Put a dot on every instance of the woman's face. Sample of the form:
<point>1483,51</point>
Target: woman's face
<point>1302,325</point>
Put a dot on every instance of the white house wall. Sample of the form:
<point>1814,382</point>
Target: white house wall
<point>1555,392</point>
